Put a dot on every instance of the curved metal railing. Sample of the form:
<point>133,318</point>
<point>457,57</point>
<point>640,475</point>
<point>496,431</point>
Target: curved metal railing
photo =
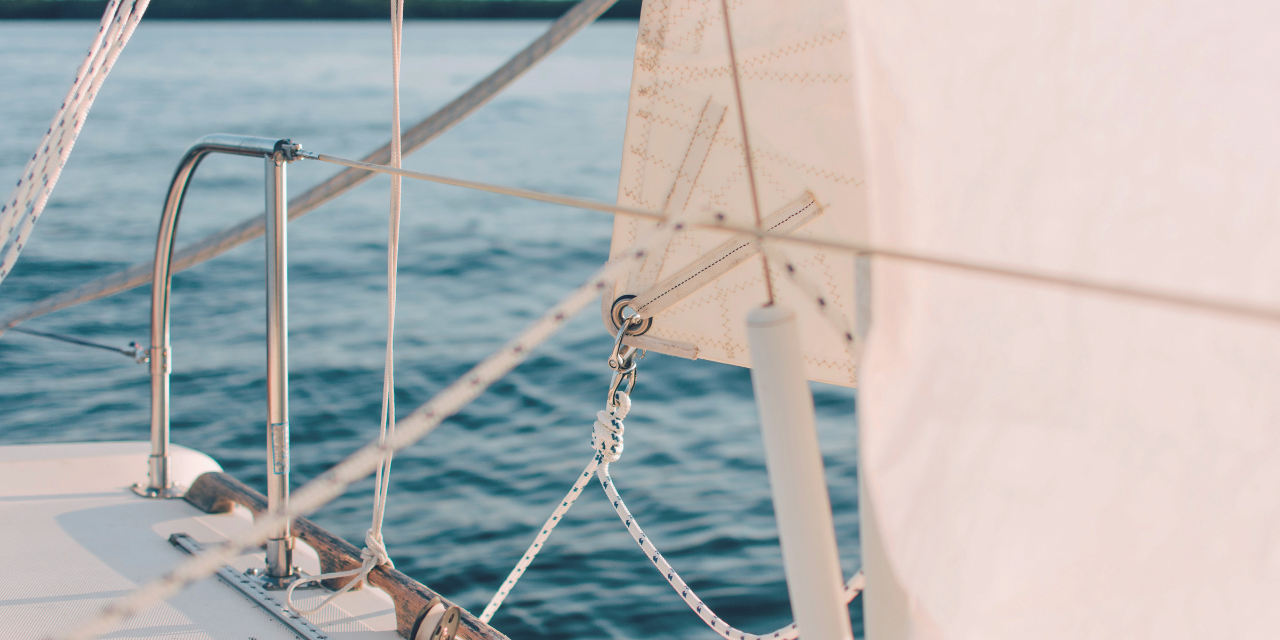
<point>278,153</point>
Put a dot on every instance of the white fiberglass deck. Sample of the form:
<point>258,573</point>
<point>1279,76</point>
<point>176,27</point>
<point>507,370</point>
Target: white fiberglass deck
<point>73,537</point>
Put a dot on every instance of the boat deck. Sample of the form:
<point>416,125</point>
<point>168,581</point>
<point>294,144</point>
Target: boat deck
<point>76,537</point>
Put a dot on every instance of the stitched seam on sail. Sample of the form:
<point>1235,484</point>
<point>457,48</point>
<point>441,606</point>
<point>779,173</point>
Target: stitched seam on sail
<point>725,257</point>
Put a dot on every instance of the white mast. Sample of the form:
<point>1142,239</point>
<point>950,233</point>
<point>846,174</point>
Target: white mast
<point>796,479</point>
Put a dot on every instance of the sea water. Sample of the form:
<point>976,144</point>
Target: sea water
<point>474,268</point>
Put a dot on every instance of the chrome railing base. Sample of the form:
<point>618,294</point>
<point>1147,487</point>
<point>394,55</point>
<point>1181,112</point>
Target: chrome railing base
<point>173,491</point>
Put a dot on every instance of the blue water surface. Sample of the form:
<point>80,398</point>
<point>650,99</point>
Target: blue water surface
<point>474,269</point>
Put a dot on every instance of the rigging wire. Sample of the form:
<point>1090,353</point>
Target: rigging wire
<point>1232,308</point>
<point>718,221</point>
<point>387,428</point>
<point>746,145</point>
<point>527,194</point>
<point>137,353</point>
<point>18,215</point>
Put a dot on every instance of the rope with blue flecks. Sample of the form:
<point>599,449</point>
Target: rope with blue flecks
<point>790,632</point>
<point>19,213</point>
<point>608,443</point>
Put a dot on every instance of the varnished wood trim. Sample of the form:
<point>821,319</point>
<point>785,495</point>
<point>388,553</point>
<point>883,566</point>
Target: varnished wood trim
<point>218,493</point>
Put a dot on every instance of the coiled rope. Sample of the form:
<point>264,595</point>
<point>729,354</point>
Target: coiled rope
<point>375,551</point>
<point>607,440</point>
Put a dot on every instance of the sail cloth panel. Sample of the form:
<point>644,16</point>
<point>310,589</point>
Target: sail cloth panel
<point>1056,465</point>
<point>684,156</point>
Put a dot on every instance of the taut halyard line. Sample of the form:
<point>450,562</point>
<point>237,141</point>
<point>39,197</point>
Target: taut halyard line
<point>517,192</point>
<point>746,145</point>
<point>1147,294</point>
<point>1236,309</point>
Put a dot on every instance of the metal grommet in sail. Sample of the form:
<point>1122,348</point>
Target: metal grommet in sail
<point>617,315</point>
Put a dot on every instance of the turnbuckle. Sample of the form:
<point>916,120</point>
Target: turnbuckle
<point>622,361</point>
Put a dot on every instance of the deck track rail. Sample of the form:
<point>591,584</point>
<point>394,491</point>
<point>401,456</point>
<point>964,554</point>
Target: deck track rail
<point>216,492</point>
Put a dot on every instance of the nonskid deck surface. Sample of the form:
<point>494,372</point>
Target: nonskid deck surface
<point>74,538</point>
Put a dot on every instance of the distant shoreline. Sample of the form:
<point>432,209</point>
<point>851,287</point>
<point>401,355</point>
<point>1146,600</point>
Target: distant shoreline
<point>312,9</point>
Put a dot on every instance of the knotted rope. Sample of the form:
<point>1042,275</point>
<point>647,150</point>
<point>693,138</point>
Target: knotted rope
<point>607,440</point>
<point>607,436</point>
<point>373,554</point>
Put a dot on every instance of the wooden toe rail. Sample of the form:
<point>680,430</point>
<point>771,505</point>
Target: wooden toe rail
<point>218,493</point>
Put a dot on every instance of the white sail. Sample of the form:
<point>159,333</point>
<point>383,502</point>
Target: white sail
<point>684,156</point>
<point>1049,464</point>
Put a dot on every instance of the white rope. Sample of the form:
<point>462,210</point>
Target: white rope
<point>387,428</point>
<point>373,554</point>
<point>613,441</point>
<point>375,551</point>
<point>19,213</point>
<point>790,632</point>
<point>607,439</point>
